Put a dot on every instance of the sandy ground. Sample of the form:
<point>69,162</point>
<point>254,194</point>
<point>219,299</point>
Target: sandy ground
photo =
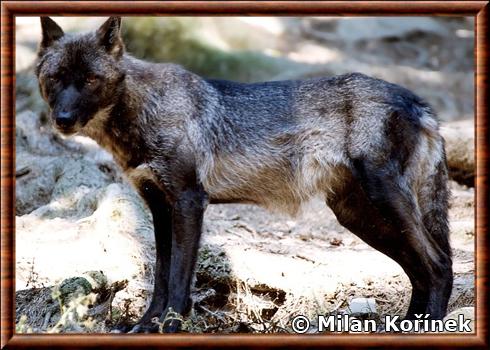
<point>256,269</point>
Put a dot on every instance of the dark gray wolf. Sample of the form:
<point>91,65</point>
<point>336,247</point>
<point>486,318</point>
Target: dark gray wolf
<point>372,149</point>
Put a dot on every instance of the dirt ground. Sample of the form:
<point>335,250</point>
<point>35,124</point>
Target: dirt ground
<point>77,217</point>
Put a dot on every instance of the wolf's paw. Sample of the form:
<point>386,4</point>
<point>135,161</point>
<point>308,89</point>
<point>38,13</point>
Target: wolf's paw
<point>144,328</point>
<point>171,322</point>
<point>171,327</point>
<point>121,328</point>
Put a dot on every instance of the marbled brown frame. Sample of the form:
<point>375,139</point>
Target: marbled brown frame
<point>10,9</point>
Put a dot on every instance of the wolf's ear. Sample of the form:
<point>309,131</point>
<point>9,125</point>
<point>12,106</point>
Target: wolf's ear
<point>109,36</point>
<point>51,32</point>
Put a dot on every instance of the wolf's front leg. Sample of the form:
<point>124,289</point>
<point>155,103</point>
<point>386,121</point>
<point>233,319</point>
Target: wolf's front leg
<point>162,221</point>
<point>187,219</point>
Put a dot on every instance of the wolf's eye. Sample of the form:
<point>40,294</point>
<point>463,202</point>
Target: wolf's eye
<point>52,79</point>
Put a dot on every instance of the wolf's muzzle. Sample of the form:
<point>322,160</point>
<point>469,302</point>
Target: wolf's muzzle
<point>65,119</point>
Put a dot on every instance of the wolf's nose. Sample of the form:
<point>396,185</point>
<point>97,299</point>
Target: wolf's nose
<point>65,119</point>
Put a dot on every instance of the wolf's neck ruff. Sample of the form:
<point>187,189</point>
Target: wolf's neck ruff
<point>117,128</point>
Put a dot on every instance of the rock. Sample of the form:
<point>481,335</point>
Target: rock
<point>460,150</point>
<point>467,312</point>
<point>27,96</point>
<point>359,306</point>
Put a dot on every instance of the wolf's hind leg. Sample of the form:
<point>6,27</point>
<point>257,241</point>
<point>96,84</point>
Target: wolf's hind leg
<point>383,214</point>
<point>433,197</point>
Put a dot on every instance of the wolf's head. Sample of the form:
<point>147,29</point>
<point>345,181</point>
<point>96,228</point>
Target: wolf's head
<point>79,75</point>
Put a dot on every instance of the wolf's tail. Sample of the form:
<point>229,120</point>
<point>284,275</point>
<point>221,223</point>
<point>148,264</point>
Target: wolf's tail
<point>433,193</point>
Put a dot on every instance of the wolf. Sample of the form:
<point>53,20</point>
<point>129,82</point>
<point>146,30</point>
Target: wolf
<point>369,148</point>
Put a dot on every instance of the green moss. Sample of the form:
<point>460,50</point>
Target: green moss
<point>72,288</point>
